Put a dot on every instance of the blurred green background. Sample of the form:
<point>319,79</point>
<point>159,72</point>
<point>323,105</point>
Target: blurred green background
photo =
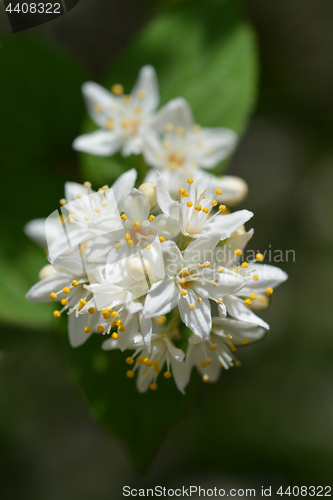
<point>269,422</point>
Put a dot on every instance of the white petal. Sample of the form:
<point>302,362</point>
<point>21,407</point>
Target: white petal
<point>146,328</point>
<point>151,148</point>
<point>199,320</point>
<point>164,199</point>
<point>218,143</point>
<point>240,311</point>
<point>147,81</point>
<point>132,146</point>
<point>123,185</point>
<point>225,253</point>
<point>201,249</point>
<point>166,226</point>
<point>162,297</point>
<point>179,374</point>
<point>173,260</point>
<point>95,94</point>
<point>269,276</point>
<point>136,206</point>
<point>238,330</point>
<point>35,230</point>
<point>225,225</point>
<point>100,143</point>
<point>228,282</point>
<point>76,326</point>
<point>73,189</point>
<point>177,112</point>
<point>41,291</point>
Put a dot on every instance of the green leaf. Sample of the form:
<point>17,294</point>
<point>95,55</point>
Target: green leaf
<point>140,421</point>
<point>41,110</point>
<point>203,51</point>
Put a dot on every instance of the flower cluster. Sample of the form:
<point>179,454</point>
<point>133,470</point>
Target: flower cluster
<point>159,270</point>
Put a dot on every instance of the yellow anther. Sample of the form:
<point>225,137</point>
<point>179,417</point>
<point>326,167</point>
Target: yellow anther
<point>238,363</point>
<point>87,329</point>
<point>151,218</point>
<point>269,291</point>
<point>53,296</point>
<point>186,194</point>
<point>157,369</point>
<point>104,311</point>
<point>79,196</point>
<point>149,364</point>
<point>151,231</point>
<point>129,360</point>
<point>109,125</point>
<point>104,203</point>
<point>127,99</point>
<point>169,127</point>
<point>218,191</point>
<point>114,335</point>
<point>180,131</point>
<point>97,210</point>
<point>153,387</point>
<point>167,374</point>
<point>205,379</point>
<point>137,110</point>
<point>183,292</point>
<point>206,264</point>
<point>245,341</point>
<point>213,347</point>
<point>130,374</point>
<point>75,283</point>
<point>141,94</point>
<point>205,210</point>
<point>72,220</point>
<point>161,239</point>
<point>244,265</point>
<point>238,252</point>
<point>220,269</point>
<point>259,257</point>
<point>252,296</point>
<point>199,300</point>
<point>127,237</point>
<point>125,123</point>
<point>199,144</point>
<point>123,217</point>
<point>62,202</point>
<point>117,89</point>
<point>100,328</point>
<point>232,346</point>
<point>137,224</point>
<point>87,217</point>
<point>190,180</point>
<point>219,300</point>
<point>56,314</point>
<point>66,290</point>
<point>140,360</point>
<point>166,145</point>
<point>117,245</point>
<point>228,337</point>
<point>160,320</point>
<point>189,204</point>
<point>235,270</point>
<point>106,316</point>
<point>98,108</point>
<point>87,184</point>
<point>198,207</point>
<point>191,306</point>
<point>213,203</point>
<point>83,302</point>
<point>118,322</point>
<point>247,302</point>
<point>255,277</point>
<point>121,328</point>
<point>115,314</point>
<point>64,302</point>
<point>181,190</point>
<point>100,191</point>
<point>222,208</point>
<point>91,310</point>
<point>148,247</point>
<point>130,242</point>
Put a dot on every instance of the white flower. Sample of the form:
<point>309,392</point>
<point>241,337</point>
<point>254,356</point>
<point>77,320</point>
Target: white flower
<point>196,213</point>
<point>217,352</point>
<point>176,146</point>
<point>190,283</point>
<point>260,278</point>
<point>119,116</point>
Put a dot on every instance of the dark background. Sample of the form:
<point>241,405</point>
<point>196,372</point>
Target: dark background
<point>273,425</point>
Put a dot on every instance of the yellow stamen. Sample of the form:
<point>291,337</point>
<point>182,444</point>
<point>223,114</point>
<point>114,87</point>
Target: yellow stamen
<point>141,94</point>
<point>220,269</point>
<point>161,239</point>
<point>137,224</point>
<point>160,320</point>
<point>66,290</point>
<point>62,202</point>
<point>121,328</point>
<point>91,310</point>
<point>167,374</point>
<point>100,328</point>
<point>151,218</point>
<point>222,208</point>
<point>205,378</point>
<point>129,360</point>
<point>87,329</point>
<point>130,374</point>
<point>190,180</point>
<point>153,387</point>
<point>53,296</point>
<point>259,257</point>
<point>252,296</point>
<point>213,203</point>
<point>98,108</point>
<point>123,217</point>
<point>198,207</point>
<point>232,347</point>
<point>269,291</point>
<point>64,302</point>
<point>114,335</point>
<point>109,125</point>
<point>191,306</point>
<point>255,277</point>
<point>75,283</point>
<point>247,302</point>
<point>56,314</point>
<point>245,341</point>
<point>117,89</point>
<point>169,127</point>
<point>244,265</point>
<point>205,210</point>
<point>238,252</point>
<point>189,204</point>
<point>218,191</point>
<point>213,347</point>
<point>183,292</point>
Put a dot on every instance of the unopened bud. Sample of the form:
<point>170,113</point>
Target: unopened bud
<point>234,190</point>
<point>46,271</point>
<point>149,189</point>
<point>138,268</point>
<point>260,303</point>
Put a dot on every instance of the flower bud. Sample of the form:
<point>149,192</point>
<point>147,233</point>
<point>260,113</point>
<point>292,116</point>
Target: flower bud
<point>137,268</point>
<point>46,271</point>
<point>149,189</point>
<point>234,190</point>
<point>260,303</point>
